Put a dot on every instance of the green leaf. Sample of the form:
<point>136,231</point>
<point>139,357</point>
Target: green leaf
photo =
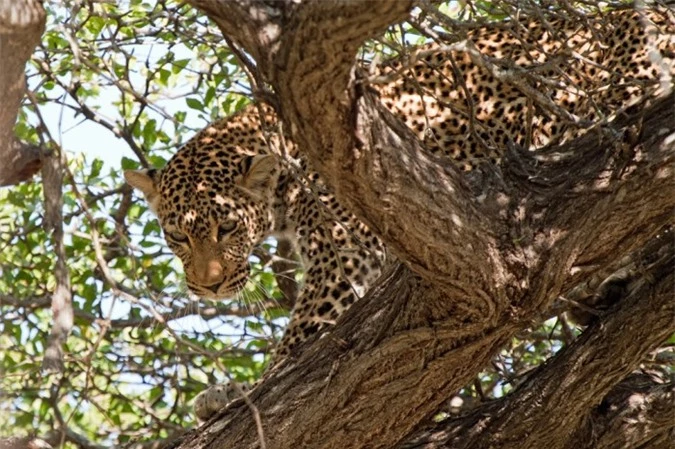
<point>164,77</point>
<point>96,167</point>
<point>194,104</point>
<point>180,116</point>
<point>179,65</point>
<point>210,95</point>
<point>95,24</point>
<point>150,133</point>
<point>129,164</point>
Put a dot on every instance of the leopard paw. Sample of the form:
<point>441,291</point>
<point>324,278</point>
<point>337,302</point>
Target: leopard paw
<point>215,398</point>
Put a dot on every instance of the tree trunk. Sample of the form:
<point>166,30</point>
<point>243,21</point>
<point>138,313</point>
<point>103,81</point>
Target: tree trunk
<point>21,25</point>
<point>473,272</point>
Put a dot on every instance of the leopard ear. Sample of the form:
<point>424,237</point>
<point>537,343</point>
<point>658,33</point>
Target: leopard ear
<point>146,181</point>
<point>260,173</point>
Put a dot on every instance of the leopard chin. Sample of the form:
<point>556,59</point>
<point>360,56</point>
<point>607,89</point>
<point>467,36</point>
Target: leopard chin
<point>227,289</point>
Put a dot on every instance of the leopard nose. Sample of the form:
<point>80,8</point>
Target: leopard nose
<point>210,273</point>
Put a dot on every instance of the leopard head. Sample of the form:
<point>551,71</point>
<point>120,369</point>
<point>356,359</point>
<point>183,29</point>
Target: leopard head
<point>213,207</point>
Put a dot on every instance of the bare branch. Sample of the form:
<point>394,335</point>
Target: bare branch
<point>23,443</point>
<point>62,305</point>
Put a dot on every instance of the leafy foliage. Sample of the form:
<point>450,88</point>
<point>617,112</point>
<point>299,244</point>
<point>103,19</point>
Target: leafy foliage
<point>141,347</point>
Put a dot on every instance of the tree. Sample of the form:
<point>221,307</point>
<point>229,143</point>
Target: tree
<point>592,224</point>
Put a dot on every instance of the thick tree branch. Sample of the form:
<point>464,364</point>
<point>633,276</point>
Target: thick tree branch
<point>268,30</point>
<point>600,197</point>
<point>363,373</point>
<point>636,413</point>
<point>579,377</point>
<point>253,24</point>
<point>21,25</point>
<point>370,159</point>
<point>589,205</point>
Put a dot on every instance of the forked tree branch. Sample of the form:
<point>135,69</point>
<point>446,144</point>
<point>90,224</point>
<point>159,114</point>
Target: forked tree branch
<point>400,353</point>
<point>476,270</point>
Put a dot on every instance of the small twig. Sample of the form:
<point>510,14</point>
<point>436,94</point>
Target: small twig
<point>254,410</point>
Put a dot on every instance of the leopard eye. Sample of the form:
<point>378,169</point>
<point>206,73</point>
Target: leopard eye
<point>177,236</point>
<point>226,228</point>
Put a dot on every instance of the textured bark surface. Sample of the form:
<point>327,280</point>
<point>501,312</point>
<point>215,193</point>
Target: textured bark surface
<point>578,399</point>
<point>481,258</point>
<point>637,412</point>
<point>21,25</point>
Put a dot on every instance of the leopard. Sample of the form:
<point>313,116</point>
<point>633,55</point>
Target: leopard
<point>519,83</point>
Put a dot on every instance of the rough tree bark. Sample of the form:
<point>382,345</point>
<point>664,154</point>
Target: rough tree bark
<point>483,258</point>
<point>21,25</point>
<point>576,399</point>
